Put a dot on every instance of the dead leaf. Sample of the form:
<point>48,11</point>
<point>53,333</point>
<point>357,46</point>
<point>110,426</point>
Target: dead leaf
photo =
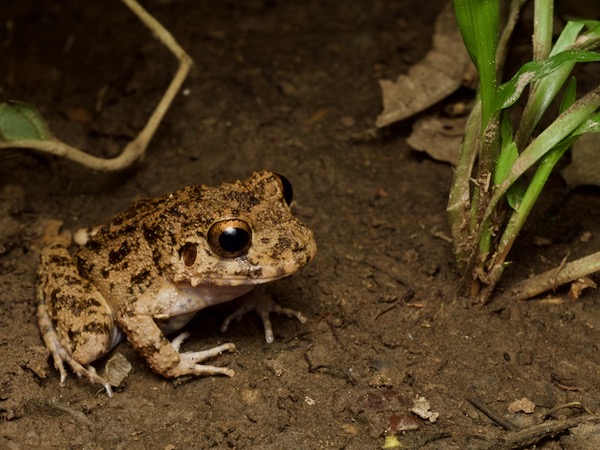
<point>523,405</point>
<point>578,286</point>
<point>422,408</point>
<point>116,369</point>
<point>439,137</point>
<point>585,165</point>
<point>435,77</point>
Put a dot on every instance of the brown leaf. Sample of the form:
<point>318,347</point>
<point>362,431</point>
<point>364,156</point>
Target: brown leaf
<point>439,74</point>
<point>578,286</point>
<point>439,137</point>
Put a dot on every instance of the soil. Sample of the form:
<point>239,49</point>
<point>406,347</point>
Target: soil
<point>288,86</point>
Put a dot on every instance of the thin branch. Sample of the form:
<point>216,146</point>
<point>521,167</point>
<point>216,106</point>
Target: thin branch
<point>495,416</point>
<point>136,148</point>
<point>534,434</point>
<point>553,278</point>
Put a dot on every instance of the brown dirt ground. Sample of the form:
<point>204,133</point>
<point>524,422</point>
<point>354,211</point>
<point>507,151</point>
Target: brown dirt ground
<point>291,87</point>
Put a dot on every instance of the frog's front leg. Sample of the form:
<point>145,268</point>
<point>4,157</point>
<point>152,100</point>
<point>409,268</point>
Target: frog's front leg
<point>263,305</point>
<point>164,356</point>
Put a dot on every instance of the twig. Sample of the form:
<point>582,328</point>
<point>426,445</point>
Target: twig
<point>495,416</point>
<point>569,405</point>
<point>136,148</point>
<point>552,278</point>
<point>532,435</point>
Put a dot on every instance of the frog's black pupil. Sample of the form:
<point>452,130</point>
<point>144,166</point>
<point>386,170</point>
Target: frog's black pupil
<point>288,190</point>
<point>234,239</point>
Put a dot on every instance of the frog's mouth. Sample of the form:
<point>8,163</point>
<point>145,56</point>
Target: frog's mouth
<point>239,280</point>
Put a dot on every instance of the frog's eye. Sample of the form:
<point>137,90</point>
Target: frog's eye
<point>229,238</point>
<point>188,253</point>
<point>286,187</point>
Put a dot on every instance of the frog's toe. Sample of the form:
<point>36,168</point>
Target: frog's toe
<point>195,357</point>
<point>92,375</point>
<point>88,371</point>
<point>176,343</point>
<point>188,363</point>
<point>263,305</point>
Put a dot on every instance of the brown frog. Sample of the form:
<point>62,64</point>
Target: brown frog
<point>151,269</point>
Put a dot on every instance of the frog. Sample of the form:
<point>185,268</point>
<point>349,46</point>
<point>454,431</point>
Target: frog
<point>150,270</point>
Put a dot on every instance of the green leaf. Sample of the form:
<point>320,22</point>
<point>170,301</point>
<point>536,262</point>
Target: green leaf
<point>515,194</point>
<point>21,121</point>
<point>507,157</point>
<point>478,24</point>
<point>590,125</point>
<point>567,37</point>
<point>510,91</point>
<point>569,96</point>
<point>508,152</point>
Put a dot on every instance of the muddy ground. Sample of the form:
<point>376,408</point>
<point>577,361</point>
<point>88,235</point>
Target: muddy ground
<point>289,86</point>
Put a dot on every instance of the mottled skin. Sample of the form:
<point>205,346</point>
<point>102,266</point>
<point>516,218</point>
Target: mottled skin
<point>156,264</point>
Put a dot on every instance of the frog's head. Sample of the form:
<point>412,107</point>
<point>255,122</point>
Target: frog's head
<point>246,235</point>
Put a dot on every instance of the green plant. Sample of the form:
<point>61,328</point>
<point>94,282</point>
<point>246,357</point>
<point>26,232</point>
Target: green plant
<point>501,171</point>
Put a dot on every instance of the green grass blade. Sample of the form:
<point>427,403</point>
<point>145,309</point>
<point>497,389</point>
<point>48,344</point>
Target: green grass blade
<point>532,71</point>
<point>569,96</point>
<point>478,24</point>
<point>567,37</point>
<point>508,151</point>
<point>581,116</point>
<point>544,91</point>
<point>590,125</point>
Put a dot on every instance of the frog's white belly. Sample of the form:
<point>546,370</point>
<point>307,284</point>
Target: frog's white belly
<point>180,303</point>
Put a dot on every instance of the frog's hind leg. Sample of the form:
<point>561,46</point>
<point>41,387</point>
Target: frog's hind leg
<point>60,355</point>
<point>75,321</point>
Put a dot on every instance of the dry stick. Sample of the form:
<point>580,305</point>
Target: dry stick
<point>534,434</point>
<point>546,281</point>
<point>495,416</point>
<point>136,148</point>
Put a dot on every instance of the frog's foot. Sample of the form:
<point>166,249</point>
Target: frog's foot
<point>263,305</point>
<point>60,354</point>
<point>188,361</point>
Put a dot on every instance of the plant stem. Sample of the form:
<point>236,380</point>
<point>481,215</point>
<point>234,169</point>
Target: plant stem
<point>549,148</point>
<point>543,92</point>
<point>137,147</point>
<point>459,201</point>
<point>542,33</point>
<point>517,219</point>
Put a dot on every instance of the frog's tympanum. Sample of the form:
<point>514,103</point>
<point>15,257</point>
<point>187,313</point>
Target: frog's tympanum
<point>151,269</point>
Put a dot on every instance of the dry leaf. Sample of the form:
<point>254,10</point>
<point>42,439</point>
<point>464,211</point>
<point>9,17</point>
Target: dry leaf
<point>439,137</point>
<point>116,369</point>
<point>422,408</point>
<point>523,405</point>
<point>579,285</point>
<point>439,74</point>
